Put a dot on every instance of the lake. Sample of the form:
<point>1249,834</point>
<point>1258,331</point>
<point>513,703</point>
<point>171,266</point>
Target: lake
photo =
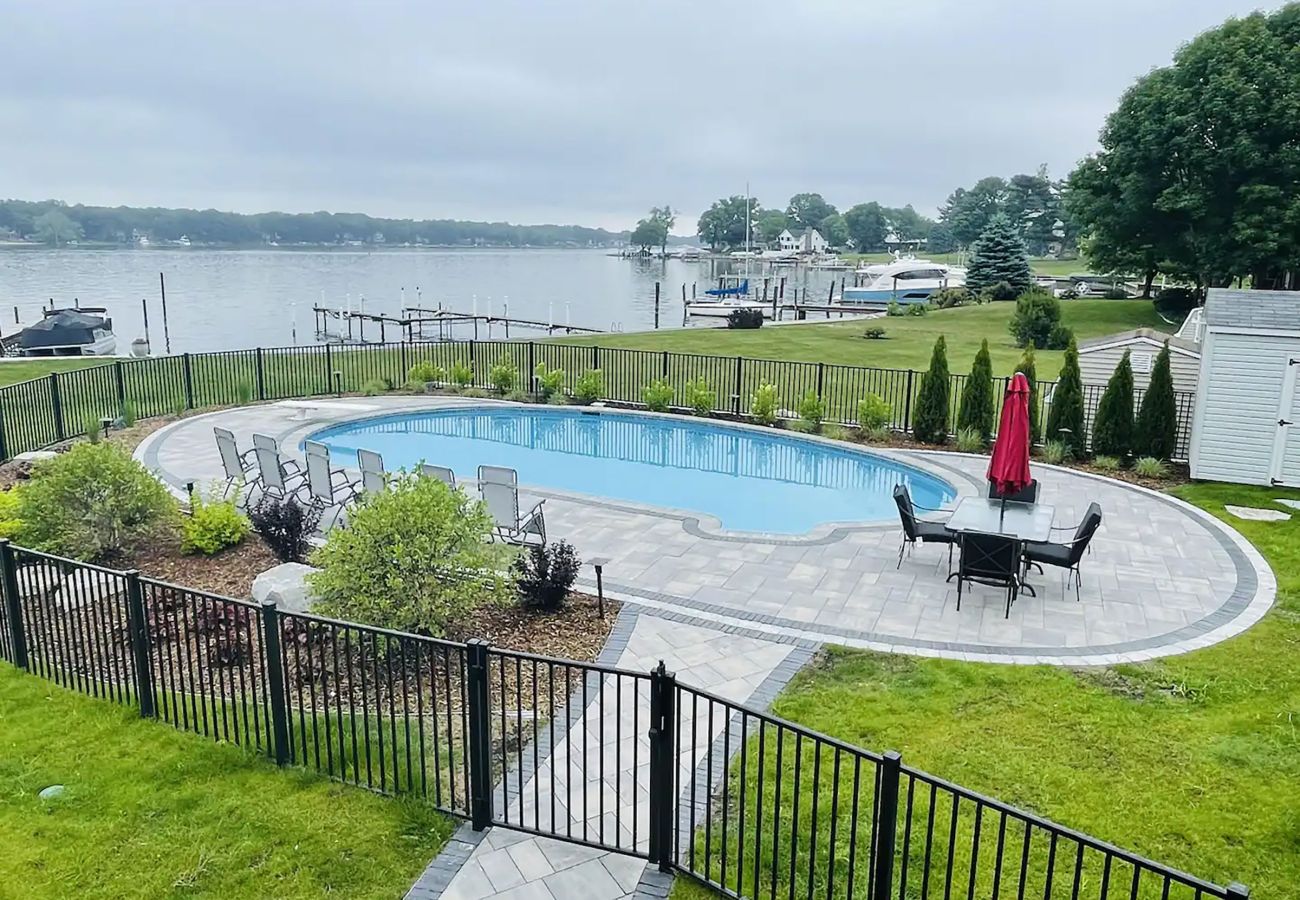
<point>226,299</point>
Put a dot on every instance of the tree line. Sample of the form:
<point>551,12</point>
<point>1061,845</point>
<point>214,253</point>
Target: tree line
<point>55,222</point>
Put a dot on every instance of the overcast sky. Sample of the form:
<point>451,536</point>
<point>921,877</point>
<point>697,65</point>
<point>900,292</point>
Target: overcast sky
<point>570,111</point>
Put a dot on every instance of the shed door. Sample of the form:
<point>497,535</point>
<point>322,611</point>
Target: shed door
<point>1286,446</point>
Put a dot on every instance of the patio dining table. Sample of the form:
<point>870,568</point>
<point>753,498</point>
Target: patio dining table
<point>1029,522</point>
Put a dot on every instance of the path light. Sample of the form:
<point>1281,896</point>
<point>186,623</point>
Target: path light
<point>599,564</point>
<point>338,382</point>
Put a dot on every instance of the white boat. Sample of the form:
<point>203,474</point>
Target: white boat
<point>69,332</point>
<point>833,263</point>
<point>902,281</point>
<point>733,293</point>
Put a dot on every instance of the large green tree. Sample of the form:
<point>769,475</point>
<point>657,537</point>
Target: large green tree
<point>999,255</point>
<point>808,210</point>
<point>664,219</point>
<point>1065,418</point>
<point>55,227</point>
<point>648,233</point>
<point>867,226</point>
<point>834,229</point>
<point>968,212</point>
<point>722,225</point>
<point>1156,429</point>
<point>769,225</point>
<point>1198,165</point>
<point>1112,426</point>
<point>930,421</point>
<point>977,396</point>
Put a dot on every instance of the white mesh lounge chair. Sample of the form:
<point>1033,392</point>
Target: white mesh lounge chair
<point>502,501</point>
<point>498,475</point>
<point>371,464</point>
<point>277,476</point>
<point>240,468</point>
<point>326,488</point>
<point>442,473</point>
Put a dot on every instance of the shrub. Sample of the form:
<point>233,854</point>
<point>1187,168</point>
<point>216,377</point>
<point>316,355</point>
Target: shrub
<point>94,429</point>
<point>212,525</point>
<point>462,374</point>
<point>557,399</point>
<point>1055,452</point>
<point>874,412</point>
<point>976,412</point>
<point>544,575</point>
<point>589,387</point>
<point>518,396</point>
<point>243,392</point>
<point>129,414</point>
<point>802,427</point>
<point>92,502</point>
<point>1106,463</point>
<point>1112,427</point>
<point>11,505</point>
<point>700,397</point>
<point>474,392</point>
<point>657,395</point>
<point>875,333</point>
<point>835,432</point>
<point>1155,433</point>
<point>930,421</point>
<point>1150,467</point>
<point>1029,369</point>
<point>179,408</point>
<point>1037,313</point>
<point>894,308</point>
<point>1115,292</point>
<point>997,257</point>
<point>1175,301</point>
<point>811,410</point>
<point>549,381</point>
<point>1002,292</point>
<point>762,406</point>
<point>745,318</point>
<point>503,375</point>
<point>1060,338</point>
<point>1065,419</point>
<point>949,297</point>
<point>425,372</point>
<point>917,309</point>
<point>969,440</point>
<point>285,525</point>
<point>373,388</point>
<point>443,567</point>
<point>877,434</point>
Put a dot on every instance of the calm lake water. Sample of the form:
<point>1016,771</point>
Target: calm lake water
<point>225,299</point>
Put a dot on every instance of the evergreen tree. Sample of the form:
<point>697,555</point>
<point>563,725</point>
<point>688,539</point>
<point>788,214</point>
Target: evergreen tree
<point>1027,367</point>
<point>1156,431</point>
<point>1065,420</point>
<point>1112,428</point>
<point>930,421</point>
<point>977,396</point>
<point>999,255</point>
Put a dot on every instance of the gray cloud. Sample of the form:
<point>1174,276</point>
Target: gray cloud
<point>582,111</point>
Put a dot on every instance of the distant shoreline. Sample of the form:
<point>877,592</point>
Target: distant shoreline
<point>365,248</point>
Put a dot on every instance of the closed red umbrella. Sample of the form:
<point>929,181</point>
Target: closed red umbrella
<point>1009,465</point>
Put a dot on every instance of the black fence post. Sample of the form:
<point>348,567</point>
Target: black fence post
<point>907,403</point>
<point>532,364</point>
<point>595,356</point>
<point>329,368</point>
<point>663,793</point>
<point>480,735</point>
<point>882,880</point>
<point>406,366</point>
<point>735,398</point>
<point>275,680</point>
<point>821,378</point>
<point>261,376</point>
<point>188,371</point>
<point>4,442</point>
<point>119,380</point>
<point>56,401</point>
<point>664,366</point>
<point>138,627</point>
<point>13,607</point>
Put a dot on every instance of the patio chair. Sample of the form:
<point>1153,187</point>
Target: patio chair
<point>326,488</point>
<point>498,474</point>
<point>502,502</point>
<point>237,466</point>
<point>1067,554</point>
<point>991,559</point>
<point>1027,494</point>
<point>373,477</point>
<point>277,476</point>
<point>441,473</point>
<point>916,529</point>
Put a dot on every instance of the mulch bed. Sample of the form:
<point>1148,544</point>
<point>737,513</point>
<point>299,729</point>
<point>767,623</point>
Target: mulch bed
<point>229,573</point>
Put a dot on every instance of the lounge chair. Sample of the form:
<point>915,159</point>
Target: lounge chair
<point>916,529</point>
<point>326,487</point>
<point>239,467</point>
<point>502,502</point>
<point>1027,494</point>
<point>277,476</point>
<point>992,559</point>
<point>1067,554</point>
<point>441,473</point>
<point>498,474</point>
<point>373,477</point>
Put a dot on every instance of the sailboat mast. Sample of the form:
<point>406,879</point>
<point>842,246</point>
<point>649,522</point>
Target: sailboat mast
<point>747,217</point>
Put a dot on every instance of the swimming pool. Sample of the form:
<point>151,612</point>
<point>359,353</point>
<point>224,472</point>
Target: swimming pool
<point>747,479</point>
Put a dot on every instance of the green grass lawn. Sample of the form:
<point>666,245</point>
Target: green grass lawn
<point>908,341</point>
<point>151,812</point>
<point>1193,761</point>
<point>15,370</point>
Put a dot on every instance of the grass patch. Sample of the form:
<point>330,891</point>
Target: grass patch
<point>1193,761</point>
<point>16,370</point>
<point>153,812</point>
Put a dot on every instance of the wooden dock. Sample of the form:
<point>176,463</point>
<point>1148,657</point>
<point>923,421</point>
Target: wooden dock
<point>421,324</point>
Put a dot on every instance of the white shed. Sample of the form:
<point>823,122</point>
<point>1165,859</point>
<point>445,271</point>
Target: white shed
<point>1098,357</point>
<point>1246,427</point>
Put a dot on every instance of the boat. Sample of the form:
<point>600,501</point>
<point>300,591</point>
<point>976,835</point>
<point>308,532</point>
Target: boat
<point>902,281</point>
<point>832,263</point>
<point>731,294</point>
<point>69,332</point>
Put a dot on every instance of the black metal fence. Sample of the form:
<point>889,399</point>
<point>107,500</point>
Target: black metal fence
<point>630,762</point>
<point>34,414</point>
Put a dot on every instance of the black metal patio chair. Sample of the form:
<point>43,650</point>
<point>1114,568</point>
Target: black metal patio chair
<point>1067,554</point>
<point>990,559</point>
<point>916,529</point>
<point>1027,494</point>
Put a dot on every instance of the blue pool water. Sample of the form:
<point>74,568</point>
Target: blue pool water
<point>749,480</point>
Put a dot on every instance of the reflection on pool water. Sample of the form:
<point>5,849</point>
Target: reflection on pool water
<point>749,480</point>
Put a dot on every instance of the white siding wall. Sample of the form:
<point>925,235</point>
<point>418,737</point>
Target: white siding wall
<point>1096,366</point>
<point>1236,416</point>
